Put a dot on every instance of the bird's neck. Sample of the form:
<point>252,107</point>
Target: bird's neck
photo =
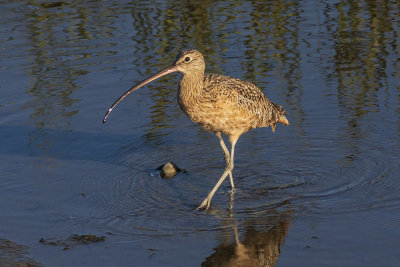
<point>191,86</point>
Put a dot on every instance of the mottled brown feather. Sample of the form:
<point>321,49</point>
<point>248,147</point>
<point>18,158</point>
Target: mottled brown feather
<point>221,103</point>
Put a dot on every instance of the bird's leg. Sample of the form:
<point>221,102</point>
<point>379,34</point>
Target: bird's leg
<point>226,156</point>
<point>224,149</point>
<point>228,169</point>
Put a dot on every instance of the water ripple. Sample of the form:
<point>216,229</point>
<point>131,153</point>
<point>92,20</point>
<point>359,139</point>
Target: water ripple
<point>137,201</point>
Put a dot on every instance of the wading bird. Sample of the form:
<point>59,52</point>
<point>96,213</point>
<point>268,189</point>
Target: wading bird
<point>220,104</point>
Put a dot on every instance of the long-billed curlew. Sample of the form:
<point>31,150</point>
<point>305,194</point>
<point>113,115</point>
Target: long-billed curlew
<point>220,104</point>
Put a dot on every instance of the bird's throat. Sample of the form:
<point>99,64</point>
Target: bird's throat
<point>190,88</point>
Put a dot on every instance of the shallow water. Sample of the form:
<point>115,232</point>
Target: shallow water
<point>323,191</point>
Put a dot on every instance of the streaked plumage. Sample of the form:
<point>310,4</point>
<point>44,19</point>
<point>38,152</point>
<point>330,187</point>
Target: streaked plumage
<point>220,104</point>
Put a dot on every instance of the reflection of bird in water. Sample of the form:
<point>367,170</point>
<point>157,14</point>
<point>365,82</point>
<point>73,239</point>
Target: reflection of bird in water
<point>221,104</point>
<point>259,247</point>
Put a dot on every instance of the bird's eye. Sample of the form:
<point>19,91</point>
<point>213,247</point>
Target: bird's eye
<point>187,59</point>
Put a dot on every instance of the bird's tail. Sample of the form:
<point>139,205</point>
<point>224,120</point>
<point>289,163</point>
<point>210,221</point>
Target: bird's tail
<point>279,116</point>
<point>282,119</point>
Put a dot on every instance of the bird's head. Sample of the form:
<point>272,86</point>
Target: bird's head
<point>187,62</point>
<point>190,61</point>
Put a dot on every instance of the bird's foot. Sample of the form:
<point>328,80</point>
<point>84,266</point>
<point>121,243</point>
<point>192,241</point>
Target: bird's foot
<point>205,204</point>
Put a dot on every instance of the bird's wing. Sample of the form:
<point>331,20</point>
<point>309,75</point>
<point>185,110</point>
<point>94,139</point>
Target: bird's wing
<point>234,89</point>
<point>245,96</point>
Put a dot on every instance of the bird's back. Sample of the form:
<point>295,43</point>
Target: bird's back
<point>245,101</point>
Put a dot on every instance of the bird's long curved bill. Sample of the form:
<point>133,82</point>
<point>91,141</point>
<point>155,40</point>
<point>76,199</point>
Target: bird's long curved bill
<point>148,80</point>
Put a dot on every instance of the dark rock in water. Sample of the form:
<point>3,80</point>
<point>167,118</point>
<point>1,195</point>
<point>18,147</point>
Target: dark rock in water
<point>14,254</point>
<point>169,170</point>
<point>73,240</point>
<point>86,239</point>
